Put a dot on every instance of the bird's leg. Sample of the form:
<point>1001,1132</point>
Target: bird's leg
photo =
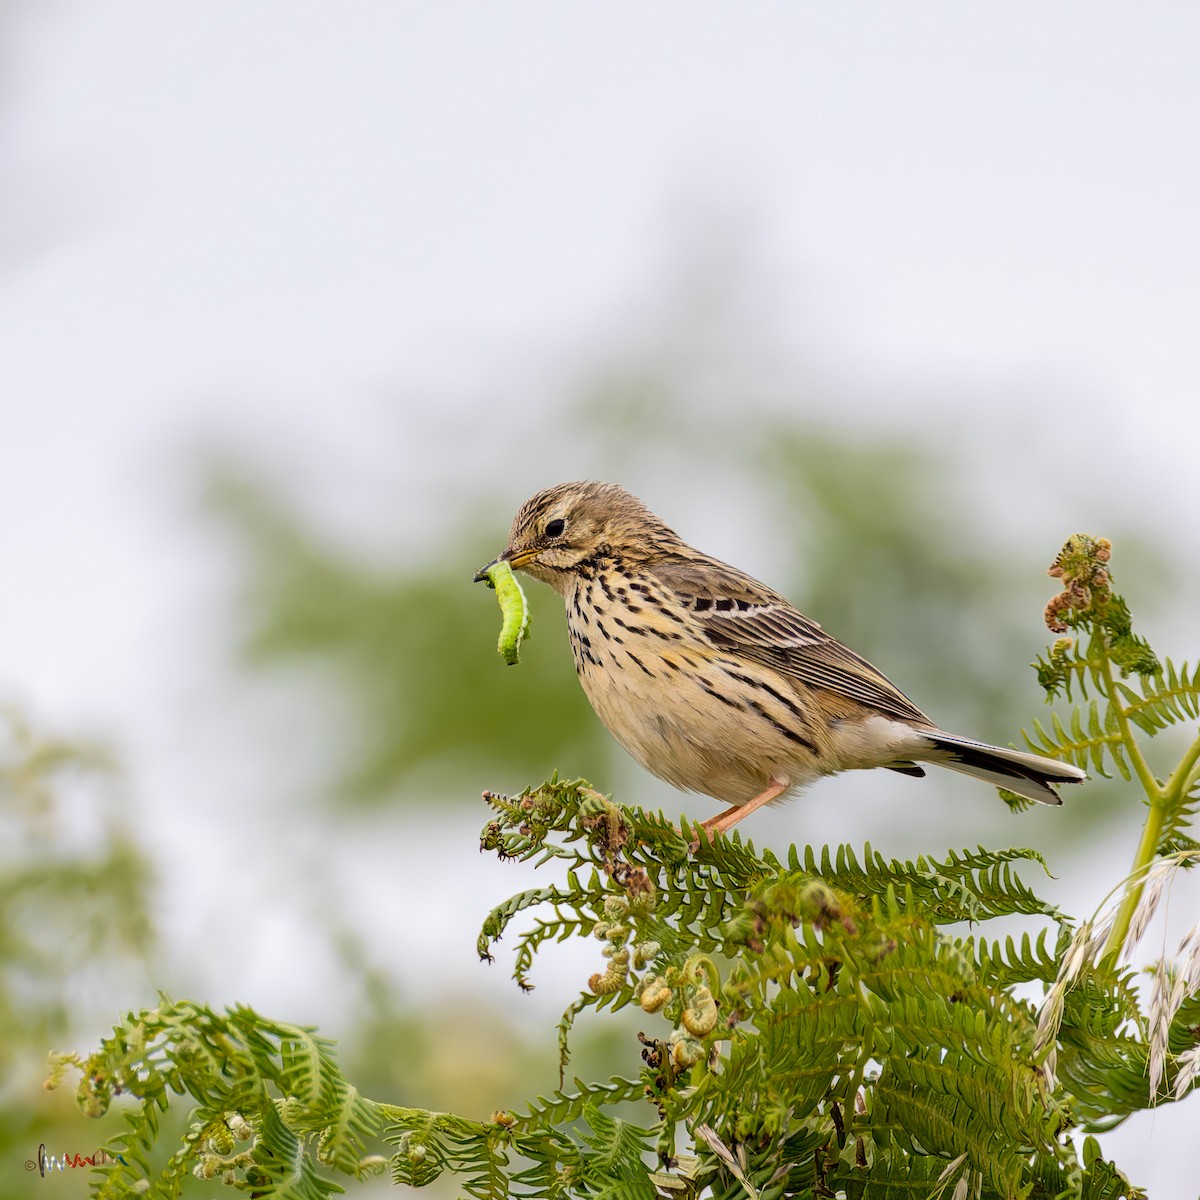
<point>724,822</point>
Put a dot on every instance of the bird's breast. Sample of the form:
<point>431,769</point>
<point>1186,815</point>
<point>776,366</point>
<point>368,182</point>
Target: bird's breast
<point>681,707</point>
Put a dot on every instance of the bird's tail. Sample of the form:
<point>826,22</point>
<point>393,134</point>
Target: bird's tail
<point>1028,775</point>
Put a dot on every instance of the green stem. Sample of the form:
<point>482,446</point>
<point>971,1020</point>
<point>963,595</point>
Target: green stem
<point>1137,881</point>
<point>1151,786</point>
<point>1158,801</point>
<point>1185,774</point>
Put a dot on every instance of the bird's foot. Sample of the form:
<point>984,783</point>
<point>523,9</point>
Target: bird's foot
<point>723,822</point>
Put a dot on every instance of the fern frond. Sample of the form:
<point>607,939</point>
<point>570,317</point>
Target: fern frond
<point>618,1150</point>
<point>565,1109</point>
<point>1166,698</point>
<point>355,1122</point>
<point>426,1145</point>
<point>283,1169</point>
<point>498,920</point>
<point>965,886</point>
<point>1179,817</point>
<point>1067,669</point>
<point>1093,741</point>
<point>1010,964</point>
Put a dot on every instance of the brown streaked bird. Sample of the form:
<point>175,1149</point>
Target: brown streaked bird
<point>713,681</point>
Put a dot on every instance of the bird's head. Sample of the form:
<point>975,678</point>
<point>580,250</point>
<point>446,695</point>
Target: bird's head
<point>559,531</point>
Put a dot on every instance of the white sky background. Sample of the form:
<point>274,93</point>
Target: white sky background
<point>260,223</point>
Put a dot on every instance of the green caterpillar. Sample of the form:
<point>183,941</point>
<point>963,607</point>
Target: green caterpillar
<point>513,607</point>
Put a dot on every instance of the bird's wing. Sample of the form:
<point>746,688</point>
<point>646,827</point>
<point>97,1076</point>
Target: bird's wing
<point>743,617</point>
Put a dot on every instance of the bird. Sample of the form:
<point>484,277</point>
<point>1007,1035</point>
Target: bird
<point>713,681</point>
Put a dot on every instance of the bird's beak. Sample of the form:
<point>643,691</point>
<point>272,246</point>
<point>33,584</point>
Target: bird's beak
<point>513,558</point>
<point>519,558</point>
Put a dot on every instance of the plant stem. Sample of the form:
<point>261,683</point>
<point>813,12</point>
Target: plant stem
<point>1184,775</point>
<point>1137,879</point>
<point>1158,800</point>
<point>1151,786</point>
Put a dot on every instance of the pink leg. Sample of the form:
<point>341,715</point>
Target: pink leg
<point>724,822</point>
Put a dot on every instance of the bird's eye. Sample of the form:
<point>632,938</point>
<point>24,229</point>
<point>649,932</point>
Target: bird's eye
<point>555,527</point>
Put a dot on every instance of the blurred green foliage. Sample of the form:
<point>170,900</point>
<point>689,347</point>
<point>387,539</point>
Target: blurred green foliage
<point>407,654</point>
<point>891,565</point>
<point>75,926</point>
<point>454,1054</point>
